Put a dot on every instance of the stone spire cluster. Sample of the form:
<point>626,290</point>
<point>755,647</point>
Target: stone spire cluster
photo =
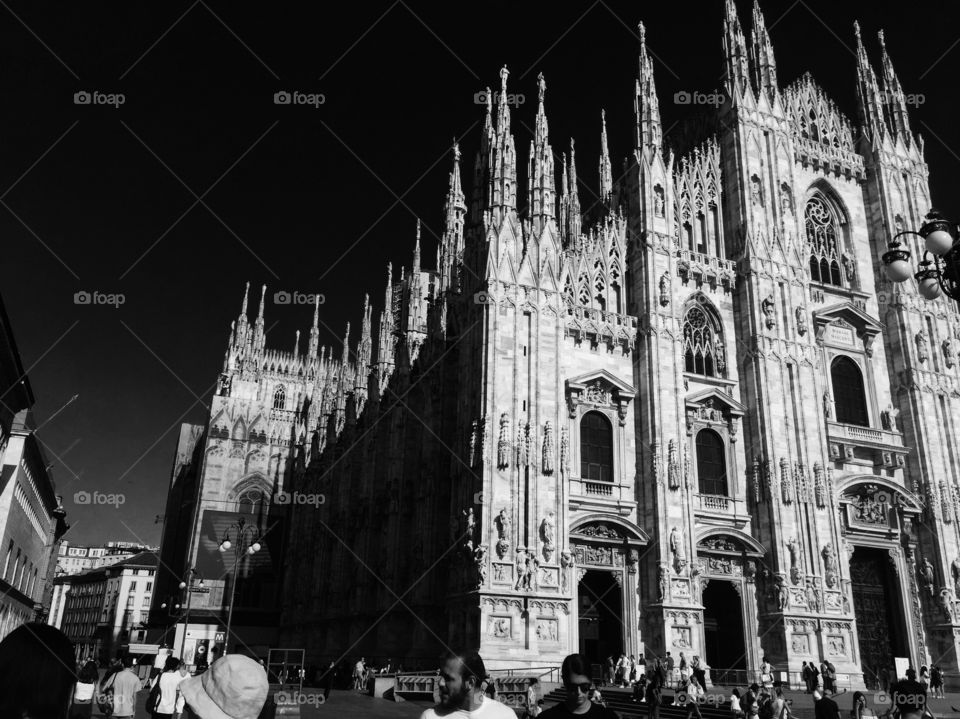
<point>882,105</point>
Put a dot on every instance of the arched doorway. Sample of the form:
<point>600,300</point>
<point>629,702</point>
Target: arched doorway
<point>881,632</point>
<point>600,601</point>
<point>723,627</point>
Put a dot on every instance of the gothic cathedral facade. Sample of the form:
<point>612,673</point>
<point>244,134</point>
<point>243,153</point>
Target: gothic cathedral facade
<point>687,413</point>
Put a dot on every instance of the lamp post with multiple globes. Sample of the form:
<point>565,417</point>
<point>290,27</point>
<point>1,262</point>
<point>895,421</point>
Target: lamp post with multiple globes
<point>247,542</point>
<point>939,270</point>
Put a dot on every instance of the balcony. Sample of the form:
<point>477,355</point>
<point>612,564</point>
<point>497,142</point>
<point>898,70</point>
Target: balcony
<point>721,509</point>
<point>615,497</point>
<point>865,445</point>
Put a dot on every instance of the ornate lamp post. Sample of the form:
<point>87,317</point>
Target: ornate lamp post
<point>187,584</point>
<point>247,542</point>
<point>940,268</point>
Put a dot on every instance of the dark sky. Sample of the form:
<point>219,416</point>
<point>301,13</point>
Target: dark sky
<point>312,199</point>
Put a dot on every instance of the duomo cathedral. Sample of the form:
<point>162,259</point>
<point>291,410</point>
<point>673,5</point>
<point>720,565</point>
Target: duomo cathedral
<point>681,411</point>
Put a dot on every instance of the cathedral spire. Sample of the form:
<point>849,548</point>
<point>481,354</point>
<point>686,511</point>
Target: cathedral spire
<point>572,219</point>
<point>503,165</point>
<point>735,52</point>
<point>363,356</point>
<point>385,334</point>
<point>296,345</point>
<point>761,54</point>
<point>416,252</point>
<point>451,248</point>
<point>894,100</point>
<point>870,104</point>
<point>243,323</point>
<point>541,190</point>
<point>345,357</point>
<point>259,337</point>
<point>606,171</point>
<point>646,107</point>
<point>314,329</point>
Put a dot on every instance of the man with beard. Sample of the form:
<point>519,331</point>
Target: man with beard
<point>574,672</point>
<point>461,691</point>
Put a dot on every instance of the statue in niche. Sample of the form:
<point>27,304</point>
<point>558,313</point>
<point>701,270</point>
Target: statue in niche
<point>827,405</point>
<point>946,603</point>
<point>664,289</point>
<point>801,314</point>
<point>480,558</point>
<point>780,592</point>
<point>502,522</point>
<point>756,191</point>
<point>926,575</point>
<point>831,565</point>
<point>663,580</point>
<point>679,551</point>
<point>949,353</point>
<point>955,572</point>
<point>849,267</point>
<point>922,345</point>
<point>547,535</point>
<point>786,204</point>
<point>522,563</point>
<point>769,311</point>
<point>469,526</point>
<point>794,548</point>
<point>658,202</point>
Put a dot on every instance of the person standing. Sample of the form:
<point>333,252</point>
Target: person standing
<point>936,681</point>
<point>814,677</point>
<point>184,674</point>
<point>909,696</point>
<point>633,670</point>
<point>125,686</point>
<point>359,670</point>
<point>885,678</point>
<point>805,677</point>
<point>671,680</point>
<point>655,693</point>
<point>780,707</point>
<point>692,691</point>
<point>735,707</point>
<point>168,683</point>
<point>766,674</point>
<point>699,671</point>
<point>83,694</point>
<point>160,661</point>
<point>860,709</point>
<point>326,680</point>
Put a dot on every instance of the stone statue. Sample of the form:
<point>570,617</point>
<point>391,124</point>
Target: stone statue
<point>769,311</point>
<point>831,565</point>
<point>888,418</point>
<point>785,204</point>
<point>658,201</point>
<point>530,573</point>
<point>946,603</point>
<point>849,267</point>
<point>756,190</point>
<point>503,442</point>
<point>794,547</point>
<point>469,526</point>
<point>663,579</point>
<point>522,564</point>
<point>955,571</point>
<point>664,289</point>
<point>926,575</point>
<point>679,552</point>
<point>503,528</point>
<point>781,594</point>
<point>949,353</point>
<point>801,314</point>
<point>827,406</point>
<point>501,628</point>
<point>922,342</point>
<point>566,563</point>
<point>480,558</point>
<point>547,534</point>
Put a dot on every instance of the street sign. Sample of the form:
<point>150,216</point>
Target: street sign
<point>200,590</point>
<point>220,637</point>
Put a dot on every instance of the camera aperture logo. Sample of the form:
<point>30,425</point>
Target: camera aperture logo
<point>297,698</point>
<point>100,498</point>
<point>698,98</point>
<point>295,97</point>
<point>300,498</point>
<point>511,98</point>
<point>110,299</point>
<point>298,298</point>
<point>95,97</point>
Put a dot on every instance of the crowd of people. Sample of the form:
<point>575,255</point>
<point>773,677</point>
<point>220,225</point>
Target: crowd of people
<point>40,679</point>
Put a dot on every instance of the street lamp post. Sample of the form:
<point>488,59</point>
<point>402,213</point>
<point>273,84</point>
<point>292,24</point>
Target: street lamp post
<point>188,585</point>
<point>247,542</point>
<point>939,270</point>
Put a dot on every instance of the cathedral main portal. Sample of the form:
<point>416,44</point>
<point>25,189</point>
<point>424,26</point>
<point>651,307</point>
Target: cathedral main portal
<point>880,627</point>
<point>600,600</point>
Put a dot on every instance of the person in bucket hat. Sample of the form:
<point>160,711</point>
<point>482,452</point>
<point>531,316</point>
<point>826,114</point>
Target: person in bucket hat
<point>234,687</point>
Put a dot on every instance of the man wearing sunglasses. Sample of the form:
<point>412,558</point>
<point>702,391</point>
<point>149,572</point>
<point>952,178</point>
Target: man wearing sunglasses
<point>575,675</point>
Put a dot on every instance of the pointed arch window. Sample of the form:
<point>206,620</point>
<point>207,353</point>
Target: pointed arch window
<point>702,344</point>
<point>823,232</point>
<point>279,398</point>
<point>250,501</point>
<point>848,392</point>
<point>596,448</point>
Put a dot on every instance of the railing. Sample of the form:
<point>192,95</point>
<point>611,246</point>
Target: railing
<point>722,504</point>
<point>610,491</point>
<point>854,432</point>
<point>539,672</point>
<point>601,488</point>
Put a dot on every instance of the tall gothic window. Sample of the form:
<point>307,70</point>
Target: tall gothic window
<point>848,393</point>
<point>249,502</point>
<point>279,398</point>
<point>596,448</point>
<point>702,344</point>
<point>711,463</point>
<point>822,231</point>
